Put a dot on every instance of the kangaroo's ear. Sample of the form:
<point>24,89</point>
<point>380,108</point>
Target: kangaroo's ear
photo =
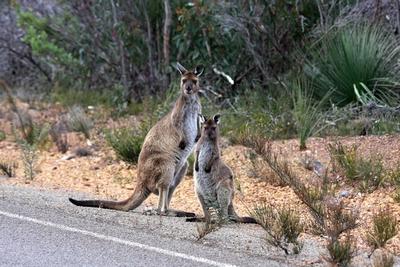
<point>202,119</point>
<point>198,70</point>
<point>180,68</point>
<point>216,118</point>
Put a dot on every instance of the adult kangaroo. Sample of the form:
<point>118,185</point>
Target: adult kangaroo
<point>162,161</point>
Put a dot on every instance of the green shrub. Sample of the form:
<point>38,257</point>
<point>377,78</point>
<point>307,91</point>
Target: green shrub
<point>2,135</point>
<point>84,98</point>
<point>331,216</point>
<point>396,195</point>
<point>393,175</point>
<point>353,55</point>
<point>257,115</point>
<point>346,160</point>
<point>282,226</point>
<point>384,227</point>
<point>126,143</point>
<point>341,252</point>
<point>29,159</point>
<point>79,121</point>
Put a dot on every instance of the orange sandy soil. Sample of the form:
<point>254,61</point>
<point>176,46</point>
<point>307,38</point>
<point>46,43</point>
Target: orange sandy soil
<point>104,176</point>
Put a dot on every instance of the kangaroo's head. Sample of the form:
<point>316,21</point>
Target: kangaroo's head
<point>210,127</point>
<point>189,79</point>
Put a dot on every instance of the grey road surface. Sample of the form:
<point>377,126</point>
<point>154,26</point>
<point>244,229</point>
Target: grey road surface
<point>41,228</point>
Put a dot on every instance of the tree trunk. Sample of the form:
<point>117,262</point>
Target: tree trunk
<point>149,40</point>
<point>121,52</point>
<point>167,31</point>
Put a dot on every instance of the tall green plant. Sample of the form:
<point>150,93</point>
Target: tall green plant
<point>307,112</point>
<point>354,55</point>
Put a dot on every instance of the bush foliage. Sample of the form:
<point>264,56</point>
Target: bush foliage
<point>126,143</point>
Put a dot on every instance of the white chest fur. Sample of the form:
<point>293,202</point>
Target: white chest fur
<point>190,129</point>
<point>204,182</point>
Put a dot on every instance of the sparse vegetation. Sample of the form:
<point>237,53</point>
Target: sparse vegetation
<point>8,168</point>
<point>331,218</point>
<point>203,229</point>
<point>383,259</point>
<point>340,252</point>
<point>307,112</point>
<point>2,135</point>
<point>263,171</point>
<point>368,172</point>
<point>59,138</point>
<point>384,227</point>
<point>78,121</point>
<point>282,225</point>
<point>396,195</point>
<point>29,160</point>
<point>126,143</point>
<point>251,139</point>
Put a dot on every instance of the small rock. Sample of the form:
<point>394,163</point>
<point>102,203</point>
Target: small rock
<point>344,193</point>
<point>318,168</point>
<point>68,157</point>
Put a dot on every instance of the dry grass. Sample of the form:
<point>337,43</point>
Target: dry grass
<point>351,165</point>
<point>282,226</point>
<point>8,168</point>
<point>331,217</point>
<point>206,228</point>
<point>384,227</point>
<point>341,252</point>
<point>383,259</point>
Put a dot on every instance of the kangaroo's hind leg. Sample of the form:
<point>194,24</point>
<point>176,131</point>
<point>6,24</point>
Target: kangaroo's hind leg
<point>206,212</point>
<point>167,184</point>
<point>177,180</point>
<point>224,196</point>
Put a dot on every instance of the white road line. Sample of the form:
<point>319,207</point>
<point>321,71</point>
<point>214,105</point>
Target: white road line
<point>115,239</point>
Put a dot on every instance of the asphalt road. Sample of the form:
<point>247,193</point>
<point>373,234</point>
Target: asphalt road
<point>41,228</point>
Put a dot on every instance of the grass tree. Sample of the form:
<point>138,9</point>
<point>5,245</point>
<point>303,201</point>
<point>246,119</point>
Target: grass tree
<point>351,56</point>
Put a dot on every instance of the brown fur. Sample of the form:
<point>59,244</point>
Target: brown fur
<point>160,166</point>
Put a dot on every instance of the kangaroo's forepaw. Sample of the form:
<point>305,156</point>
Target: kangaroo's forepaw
<point>182,144</point>
<point>197,138</point>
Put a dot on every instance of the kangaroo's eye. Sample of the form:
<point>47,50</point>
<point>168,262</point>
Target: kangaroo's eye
<point>195,81</point>
<point>213,127</point>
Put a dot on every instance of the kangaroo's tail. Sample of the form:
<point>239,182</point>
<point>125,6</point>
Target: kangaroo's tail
<point>236,218</point>
<point>245,220</point>
<point>139,195</point>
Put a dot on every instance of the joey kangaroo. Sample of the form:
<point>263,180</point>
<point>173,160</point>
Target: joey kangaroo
<point>213,178</point>
<point>162,161</point>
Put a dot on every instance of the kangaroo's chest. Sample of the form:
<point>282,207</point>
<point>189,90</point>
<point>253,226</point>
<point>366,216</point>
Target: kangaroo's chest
<point>190,129</point>
<point>204,182</point>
